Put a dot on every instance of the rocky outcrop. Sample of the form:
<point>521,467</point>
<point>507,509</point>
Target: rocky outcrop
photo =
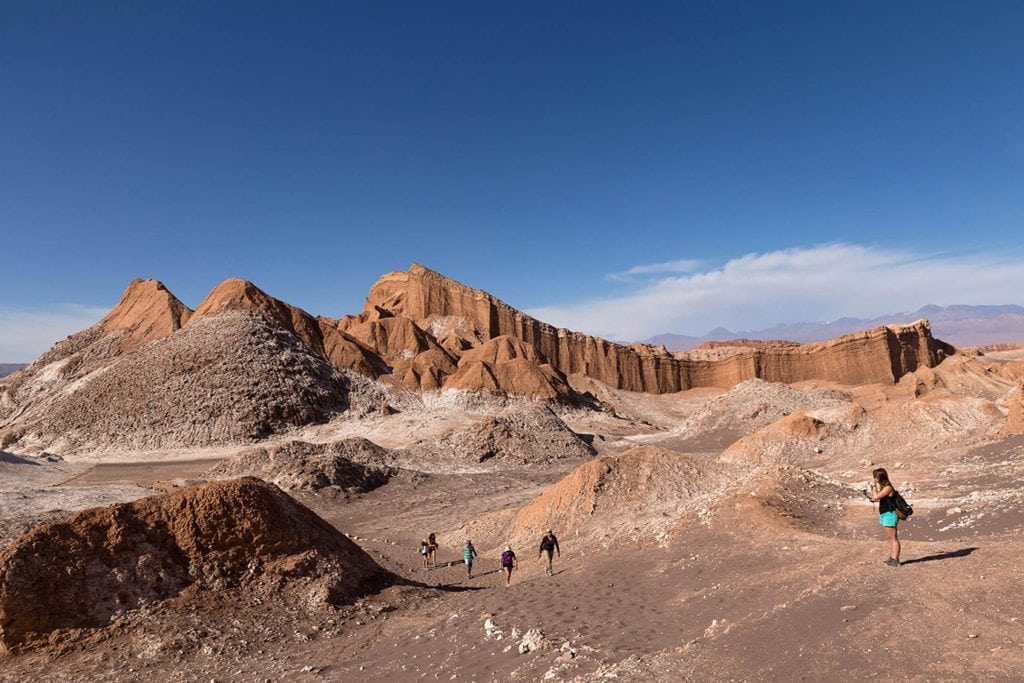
<point>416,359</point>
<point>883,354</point>
<point>296,465</point>
<point>319,335</point>
<point>523,435</point>
<point>146,311</point>
<point>642,489</point>
<point>510,366</point>
<point>242,534</point>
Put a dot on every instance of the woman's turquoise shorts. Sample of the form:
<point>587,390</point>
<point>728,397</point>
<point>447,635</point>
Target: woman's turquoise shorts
<point>889,519</point>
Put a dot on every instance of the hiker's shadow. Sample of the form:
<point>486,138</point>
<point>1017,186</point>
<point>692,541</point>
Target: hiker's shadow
<point>12,459</point>
<point>963,552</point>
<point>493,571</point>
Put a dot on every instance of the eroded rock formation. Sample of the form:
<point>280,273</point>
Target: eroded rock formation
<point>243,533</point>
<point>433,302</point>
<point>146,311</point>
<point>244,365</point>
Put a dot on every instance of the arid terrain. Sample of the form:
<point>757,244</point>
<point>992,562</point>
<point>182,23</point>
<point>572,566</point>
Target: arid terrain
<point>239,492</point>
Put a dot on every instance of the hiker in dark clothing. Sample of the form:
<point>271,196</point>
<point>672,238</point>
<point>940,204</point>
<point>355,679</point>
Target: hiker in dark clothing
<point>508,563</point>
<point>549,547</point>
<point>432,547</point>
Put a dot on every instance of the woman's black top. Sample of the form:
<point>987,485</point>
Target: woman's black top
<point>886,505</point>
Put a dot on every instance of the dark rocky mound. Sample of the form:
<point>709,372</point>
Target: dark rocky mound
<point>525,435</point>
<point>355,465</point>
<point>243,534</point>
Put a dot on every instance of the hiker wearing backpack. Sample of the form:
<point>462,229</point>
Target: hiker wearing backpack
<point>549,547</point>
<point>508,563</point>
<point>468,553</point>
<point>884,494</point>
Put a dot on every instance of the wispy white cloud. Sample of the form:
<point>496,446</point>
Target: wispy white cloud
<point>25,333</point>
<point>795,285</point>
<point>680,266</point>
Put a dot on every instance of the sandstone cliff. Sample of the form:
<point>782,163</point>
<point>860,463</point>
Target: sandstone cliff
<point>438,303</point>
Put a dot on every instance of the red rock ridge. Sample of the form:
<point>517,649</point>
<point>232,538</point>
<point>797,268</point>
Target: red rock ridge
<point>882,354</point>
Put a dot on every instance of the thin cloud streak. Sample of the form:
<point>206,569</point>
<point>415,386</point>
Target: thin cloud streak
<point>25,333</point>
<point>679,266</point>
<point>796,285</point>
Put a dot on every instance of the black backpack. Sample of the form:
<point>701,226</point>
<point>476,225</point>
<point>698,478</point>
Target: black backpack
<point>903,508</point>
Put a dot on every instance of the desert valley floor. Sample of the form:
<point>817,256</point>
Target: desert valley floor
<point>185,497</point>
<point>716,569</point>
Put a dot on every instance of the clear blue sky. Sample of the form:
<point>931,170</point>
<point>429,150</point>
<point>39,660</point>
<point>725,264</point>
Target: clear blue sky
<point>530,149</point>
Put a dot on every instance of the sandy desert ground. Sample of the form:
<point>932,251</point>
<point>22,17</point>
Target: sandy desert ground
<point>758,561</point>
<point>238,493</point>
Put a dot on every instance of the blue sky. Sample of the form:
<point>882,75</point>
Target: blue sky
<point>555,154</point>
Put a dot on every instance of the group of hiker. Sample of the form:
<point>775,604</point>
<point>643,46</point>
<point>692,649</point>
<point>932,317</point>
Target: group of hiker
<point>891,509</point>
<point>548,549</point>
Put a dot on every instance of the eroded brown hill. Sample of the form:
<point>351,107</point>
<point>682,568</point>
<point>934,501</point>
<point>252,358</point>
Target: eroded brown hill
<point>146,311</point>
<point>220,379</point>
<point>643,490</point>
<point>319,336</point>
<point>242,533</point>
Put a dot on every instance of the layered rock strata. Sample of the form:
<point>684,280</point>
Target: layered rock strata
<point>882,354</point>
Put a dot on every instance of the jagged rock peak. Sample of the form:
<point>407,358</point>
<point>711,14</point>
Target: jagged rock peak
<point>318,334</point>
<point>238,294</point>
<point>147,311</point>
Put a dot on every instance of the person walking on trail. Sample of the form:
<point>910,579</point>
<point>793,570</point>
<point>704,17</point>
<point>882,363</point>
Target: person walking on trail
<point>424,553</point>
<point>432,546</point>
<point>508,563</point>
<point>882,493</point>
<point>549,547</point>
<point>468,553</point>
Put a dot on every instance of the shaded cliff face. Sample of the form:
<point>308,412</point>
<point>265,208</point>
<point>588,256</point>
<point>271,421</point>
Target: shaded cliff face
<point>1015,419</point>
<point>437,303</point>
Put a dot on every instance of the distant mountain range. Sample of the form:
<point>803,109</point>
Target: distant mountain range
<point>8,368</point>
<point>958,325</point>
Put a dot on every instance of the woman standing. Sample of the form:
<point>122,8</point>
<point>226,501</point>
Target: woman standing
<point>883,495</point>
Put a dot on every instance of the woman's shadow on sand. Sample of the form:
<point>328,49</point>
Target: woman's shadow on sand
<point>963,552</point>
